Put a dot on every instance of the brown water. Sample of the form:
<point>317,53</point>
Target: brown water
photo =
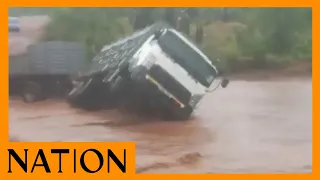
<point>249,127</point>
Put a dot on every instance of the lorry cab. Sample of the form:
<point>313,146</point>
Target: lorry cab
<point>169,61</point>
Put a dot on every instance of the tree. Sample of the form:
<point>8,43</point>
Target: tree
<point>170,16</point>
<point>94,27</point>
<point>143,18</point>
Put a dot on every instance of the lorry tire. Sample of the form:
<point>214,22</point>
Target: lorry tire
<point>32,92</point>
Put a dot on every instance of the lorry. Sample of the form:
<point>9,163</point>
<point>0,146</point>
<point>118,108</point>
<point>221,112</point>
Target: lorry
<point>38,70</point>
<point>157,66</point>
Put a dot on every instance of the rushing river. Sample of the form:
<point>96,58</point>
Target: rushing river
<point>249,127</point>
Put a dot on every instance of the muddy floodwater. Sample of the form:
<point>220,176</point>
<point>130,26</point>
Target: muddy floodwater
<point>249,127</point>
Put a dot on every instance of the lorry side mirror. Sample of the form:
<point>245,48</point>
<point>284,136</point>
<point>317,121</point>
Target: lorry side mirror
<point>225,83</point>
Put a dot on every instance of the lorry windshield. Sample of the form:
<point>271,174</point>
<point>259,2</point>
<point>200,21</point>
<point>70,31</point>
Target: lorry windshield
<point>188,58</point>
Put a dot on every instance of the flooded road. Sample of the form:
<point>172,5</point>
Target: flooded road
<point>249,127</point>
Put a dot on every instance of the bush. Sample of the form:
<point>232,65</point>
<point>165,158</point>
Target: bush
<point>265,38</point>
<point>241,47</point>
<point>94,27</point>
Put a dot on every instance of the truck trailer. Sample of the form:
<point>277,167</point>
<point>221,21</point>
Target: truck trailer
<point>38,70</point>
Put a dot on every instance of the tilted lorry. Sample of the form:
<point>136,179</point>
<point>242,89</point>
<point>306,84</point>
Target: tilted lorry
<point>157,64</point>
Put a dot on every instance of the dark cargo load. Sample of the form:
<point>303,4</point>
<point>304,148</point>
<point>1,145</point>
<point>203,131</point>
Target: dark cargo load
<point>89,90</point>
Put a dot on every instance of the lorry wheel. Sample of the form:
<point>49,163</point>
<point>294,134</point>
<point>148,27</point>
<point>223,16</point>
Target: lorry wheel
<point>32,92</point>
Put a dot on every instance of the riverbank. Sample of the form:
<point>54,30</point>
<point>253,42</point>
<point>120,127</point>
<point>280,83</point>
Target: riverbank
<point>249,127</point>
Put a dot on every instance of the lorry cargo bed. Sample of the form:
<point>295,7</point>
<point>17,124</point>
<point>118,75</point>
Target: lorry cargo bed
<point>48,58</point>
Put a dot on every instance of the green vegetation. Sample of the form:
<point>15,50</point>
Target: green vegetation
<point>242,38</point>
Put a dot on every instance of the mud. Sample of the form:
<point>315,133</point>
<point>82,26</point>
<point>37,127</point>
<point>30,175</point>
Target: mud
<point>249,127</point>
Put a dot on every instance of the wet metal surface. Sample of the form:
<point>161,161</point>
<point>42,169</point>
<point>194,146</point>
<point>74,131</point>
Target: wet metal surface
<point>249,127</point>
